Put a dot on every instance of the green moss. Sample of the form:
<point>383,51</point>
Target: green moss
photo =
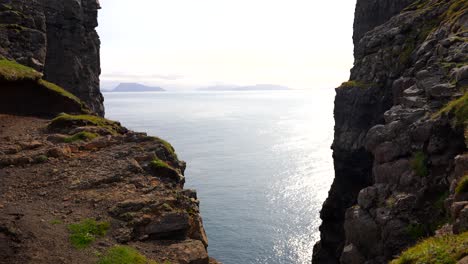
<point>84,233</point>
<point>462,186</point>
<point>56,222</point>
<point>354,83</point>
<point>169,148</point>
<point>6,7</point>
<point>455,11</point>
<point>419,164</point>
<point>81,136</point>
<point>124,255</point>
<point>158,164</point>
<point>457,107</point>
<point>436,250</point>
<point>439,203</point>
<point>13,71</point>
<point>67,120</point>
<point>41,159</point>
<point>57,89</point>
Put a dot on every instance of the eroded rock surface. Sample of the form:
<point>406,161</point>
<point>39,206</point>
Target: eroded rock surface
<point>58,38</point>
<point>398,137</point>
<point>48,184</point>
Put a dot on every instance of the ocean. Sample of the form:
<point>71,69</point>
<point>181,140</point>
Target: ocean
<point>260,161</point>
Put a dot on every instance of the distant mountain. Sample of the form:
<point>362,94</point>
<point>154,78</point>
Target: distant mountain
<point>136,87</point>
<point>258,87</point>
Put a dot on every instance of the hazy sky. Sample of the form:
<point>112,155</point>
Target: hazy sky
<point>302,44</point>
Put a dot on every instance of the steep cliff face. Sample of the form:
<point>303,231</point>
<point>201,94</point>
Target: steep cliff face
<point>57,38</point>
<point>394,148</point>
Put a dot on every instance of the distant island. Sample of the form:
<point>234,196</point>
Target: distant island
<point>258,87</point>
<point>136,87</point>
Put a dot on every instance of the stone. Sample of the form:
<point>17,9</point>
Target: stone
<point>390,173</point>
<point>134,166</point>
<point>444,90</point>
<point>197,231</point>
<point>367,197</point>
<point>31,145</point>
<point>463,260</point>
<point>461,223</point>
<point>170,226</point>
<point>189,252</point>
<point>361,230</point>
<point>351,255</point>
<point>59,152</point>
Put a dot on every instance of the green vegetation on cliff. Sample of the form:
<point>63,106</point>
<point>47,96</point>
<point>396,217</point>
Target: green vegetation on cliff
<point>158,164</point>
<point>124,255</point>
<point>446,249</point>
<point>419,164</point>
<point>81,136</point>
<point>462,186</point>
<point>459,109</point>
<point>13,71</point>
<point>354,83</point>
<point>84,233</point>
<point>66,120</point>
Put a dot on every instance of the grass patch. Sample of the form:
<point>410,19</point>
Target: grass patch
<point>65,120</point>
<point>462,186</point>
<point>436,250</point>
<point>457,107</point>
<point>158,164</point>
<point>57,89</point>
<point>13,71</point>
<point>353,83</point>
<point>56,222</point>
<point>124,255</point>
<point>81,136</point>
<point>84,233</point>
<point>41,159</point>
<point>419,164</point>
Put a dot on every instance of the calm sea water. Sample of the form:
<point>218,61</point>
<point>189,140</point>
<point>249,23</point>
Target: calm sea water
<point>261,162</point>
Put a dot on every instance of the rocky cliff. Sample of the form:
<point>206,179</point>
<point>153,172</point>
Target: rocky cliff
<point>57,38</point>
<point>76,187</point>
<point>400,132</point>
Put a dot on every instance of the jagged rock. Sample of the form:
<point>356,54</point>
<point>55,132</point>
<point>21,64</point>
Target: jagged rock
<point>367,197</point>
<point>58,38</point>
<point>189,252</point>
<point>362,231</point>
<point>134,166</point>
<point>411,68</point>
<point>171,226</point>
<point>461,222</point>
<point>351,255</point>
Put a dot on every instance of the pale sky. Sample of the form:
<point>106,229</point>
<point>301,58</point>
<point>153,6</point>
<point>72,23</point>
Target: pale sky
<point>302,44</point>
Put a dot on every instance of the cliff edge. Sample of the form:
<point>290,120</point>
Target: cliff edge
<point>76,187</point>
<point>400,133</point>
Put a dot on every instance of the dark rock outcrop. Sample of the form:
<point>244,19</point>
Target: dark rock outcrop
<point>372,13</point>
<point>57,38</point>
<point>395,143</point>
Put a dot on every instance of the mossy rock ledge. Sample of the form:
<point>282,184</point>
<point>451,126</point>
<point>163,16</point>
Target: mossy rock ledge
<point>24,92</point>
